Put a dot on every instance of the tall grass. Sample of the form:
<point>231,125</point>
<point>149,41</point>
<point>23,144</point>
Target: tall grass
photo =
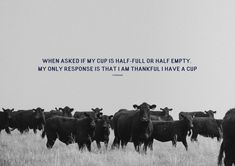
<point>30,150</point>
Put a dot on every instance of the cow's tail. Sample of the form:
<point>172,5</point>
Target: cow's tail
<point>220,154</point>
<point>43,134</point>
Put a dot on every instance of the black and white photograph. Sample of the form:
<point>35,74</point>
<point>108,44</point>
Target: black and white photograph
<point>117,83</point>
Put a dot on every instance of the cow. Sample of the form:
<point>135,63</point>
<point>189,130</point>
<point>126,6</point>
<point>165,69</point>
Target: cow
<point>228,145</point>
<point>209,113</point>
<point>93,114</point>
<point>207,127</point>
<point>5,118</point>
<point>69,130</point>
<point>102,131</point>
<point>175,131</point>
<point>162,115</point>
<point>135,126</point>
<point>66,111</point>
<point>23,120</point>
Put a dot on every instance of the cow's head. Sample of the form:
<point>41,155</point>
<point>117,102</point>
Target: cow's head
<point>97,112</point>
<point>67,112</point>
<point>144,108</point>
<point>8,113</point>
<point>188,119</point>
<point>210,113</point>
<point>166,110</point>
<point>39,115</point>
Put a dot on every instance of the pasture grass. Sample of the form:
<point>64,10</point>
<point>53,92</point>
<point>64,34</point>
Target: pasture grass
<point>30,150</point>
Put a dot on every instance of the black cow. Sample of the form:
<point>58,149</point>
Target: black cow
<point>23,120</point>
<point>69,130</point>
<point>5,118</point>
<point>174,131</point>
<point>207,127</point>
<point>209,113</point>
<point>66,112</point>
<point>228,144</point>
<point>135,126</point>
<point>161,115</point>
<point>102,131</point>
<point>93,114</point>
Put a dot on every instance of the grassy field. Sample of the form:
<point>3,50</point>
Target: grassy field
<point>30,150</point>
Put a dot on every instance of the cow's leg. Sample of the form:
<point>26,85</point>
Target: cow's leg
<point>106,144</point>
<point>80,146</point>
<point>228,160</point>
<point>137,146</point>
<point>98,144</point>
<point>174,141</point>
<point>51,138</point>
<point>116,143</point>
<point>35,131</point>
<point>185,143</point>
<point>123,143</point>
<point>88,145</point>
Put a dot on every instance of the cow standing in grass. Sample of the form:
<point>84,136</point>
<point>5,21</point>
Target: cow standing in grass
<point>207,127</point>
<point>69,130</point>
<point>5,118</point>
<point>228,145</point>
<point>175,131</point>
<point>23,120</point>
<point>135,126</point>
<point>102,131</point>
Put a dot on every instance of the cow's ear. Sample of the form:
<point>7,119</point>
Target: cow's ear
<point>162,109</point>
<point>3,109</point>
<point>93,109</point>
<point>170,109</point>
<point>206,111</point>
<point>12,109</point>
<point>214,112</point>
<point>57,109</point>
<point>136,106</point>
<point>42,110</point>
<point>153,106</point>
<point>101,109</point>
<point>71,110</point>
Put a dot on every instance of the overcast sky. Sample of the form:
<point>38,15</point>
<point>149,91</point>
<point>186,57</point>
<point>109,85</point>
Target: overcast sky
<point>201,30</point>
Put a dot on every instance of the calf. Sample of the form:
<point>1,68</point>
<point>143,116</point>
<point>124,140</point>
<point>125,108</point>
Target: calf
<point>101,132</point>
<point>174,131</point>
<point>69,130</point>
<point>207,127</point>
<point>5,118</point>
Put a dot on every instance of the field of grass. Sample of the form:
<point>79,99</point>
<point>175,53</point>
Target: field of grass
<point>30,150</point>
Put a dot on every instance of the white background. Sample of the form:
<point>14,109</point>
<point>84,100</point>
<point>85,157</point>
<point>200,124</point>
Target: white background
<point>202,30</point>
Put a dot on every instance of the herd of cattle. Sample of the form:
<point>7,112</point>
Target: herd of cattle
<point>141,126</point>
